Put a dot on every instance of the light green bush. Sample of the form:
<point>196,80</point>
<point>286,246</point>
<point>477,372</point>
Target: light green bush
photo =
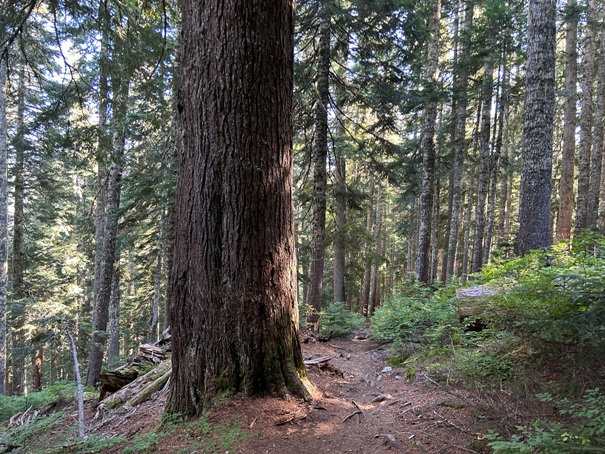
<point>339,320</point>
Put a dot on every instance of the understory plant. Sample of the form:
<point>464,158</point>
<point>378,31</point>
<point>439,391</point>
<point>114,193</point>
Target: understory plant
<point>338,319</point>
<point>586,432</point>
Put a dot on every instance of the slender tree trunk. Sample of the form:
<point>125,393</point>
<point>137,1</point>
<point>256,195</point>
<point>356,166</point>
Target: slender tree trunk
<point>468,222</point>
<point>320,154</point>
<point>536,172</point>
<point>233,312</point>
<point>600,123</point>
<point>155,310</point>
<point>460,143</point>
<point>566,183</point>
<point>484,167</point>
<point>340,191</point>
<point>37,360</point>
<point>364,302</point>
<point>597,143</point>
<point>3,216</point>
<point>435,232</point>
<point>586,120</point>
<point>502,111</point>
<point>113,349</point>
<point>428,146</point>
<point>376,234</point>
<point>108,255</point>
<point>18,286</point>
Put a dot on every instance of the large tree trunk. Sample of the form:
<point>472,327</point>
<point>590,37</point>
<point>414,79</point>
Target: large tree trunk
<point>534,204</point>
<point>320,154</point>
<point>3,217</point>
<point>566,183</point>
<point>460,142</point>
<point>428,147</point>
<point>376,234</point>
<point>586,120</point>
<point>484,166</point>
<point>233,312</point>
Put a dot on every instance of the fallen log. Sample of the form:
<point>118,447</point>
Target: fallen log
<point>127,392</point>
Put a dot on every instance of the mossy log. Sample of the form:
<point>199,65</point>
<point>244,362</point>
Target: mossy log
<point>145,393</point>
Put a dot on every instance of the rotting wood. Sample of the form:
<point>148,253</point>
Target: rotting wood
<point>137,386</point>
<point>146,392</point>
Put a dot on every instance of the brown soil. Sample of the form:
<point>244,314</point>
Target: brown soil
<point>362,405</point>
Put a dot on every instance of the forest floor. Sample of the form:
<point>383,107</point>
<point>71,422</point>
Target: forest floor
<point>363,404</point>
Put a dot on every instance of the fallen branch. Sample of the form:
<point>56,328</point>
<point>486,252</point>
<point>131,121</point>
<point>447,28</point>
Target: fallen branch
<point>356,412</point>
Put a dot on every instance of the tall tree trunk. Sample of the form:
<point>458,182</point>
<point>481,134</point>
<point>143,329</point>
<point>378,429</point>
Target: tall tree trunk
<point>320,154</point>
<point>18,286</point>
<point>502,112</point>
<point>364,302</point>
<point>340,191</point>
<point>597,143</point>
<point>376,234</point>
<point>468,222</point>
<point>586,120</point>
<point>460,142</point>
<point>566,183</point>
<point>536,172</point>
<point>3,216</point>
<point>110,230</point>
<point>428,146</point>
<point>484,166</point>
<point>233,313</point>
<point>155,310</point>
<point>113,349</point>
<point>435,232</point>
<point>600,123</point>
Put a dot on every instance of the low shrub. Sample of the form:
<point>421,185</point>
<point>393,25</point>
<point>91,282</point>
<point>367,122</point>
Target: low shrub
<point>339,320</point>
<point>585,434</point>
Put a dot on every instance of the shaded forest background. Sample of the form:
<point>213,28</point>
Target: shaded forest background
<point>87,107</point>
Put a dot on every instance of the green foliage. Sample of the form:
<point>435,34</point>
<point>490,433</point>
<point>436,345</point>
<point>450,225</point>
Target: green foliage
<point>337,319</point>
<point>11,405</point>
<point>556,296</point>
<point>416,314</point>
<point>585,434</point>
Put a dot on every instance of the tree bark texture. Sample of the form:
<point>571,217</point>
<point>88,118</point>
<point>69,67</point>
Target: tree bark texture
<point>340,190</point>
<point>113,348</point>
<point>460,142</point>
<point>429,157</point>
<point>3,218</point>
<point>600,123</point>
<point>157,286</point>
<point>320,155</point>
<point>586,120</point>
<point>18,287</point>
<point>596,157</point>
<point>566,183</point>
<point>536,171</point>
<point>233,312</point>
<point>484,164</point>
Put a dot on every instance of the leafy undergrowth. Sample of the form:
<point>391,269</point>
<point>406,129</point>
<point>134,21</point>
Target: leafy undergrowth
<point>544,333</point>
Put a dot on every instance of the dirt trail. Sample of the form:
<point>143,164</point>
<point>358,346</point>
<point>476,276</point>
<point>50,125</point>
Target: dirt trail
<point>370,408</point>
<point>363,405</point>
